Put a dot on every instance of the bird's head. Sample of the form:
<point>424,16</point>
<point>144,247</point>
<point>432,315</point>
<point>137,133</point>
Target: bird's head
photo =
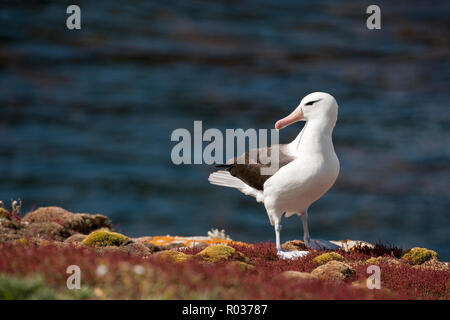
<point>316,105</point>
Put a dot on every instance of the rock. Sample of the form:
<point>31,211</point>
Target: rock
<point>214,253</point>
<point>151,247</point>
<point>77,237</point>
<point>360,284</point>
<point>200,245</point>
<point>349,245</point>
<point>73,222</point>
<point>172,246</point>
<point>85,223</point>
<point>50,223</point>
<point>130,248</point>
<point>294,245</point>
<point>242,265</point>
<point>48,214</point>
<point>416,256</point>
<point>297,275</point>
<point>433,264</point>
<point>333,271</point>
<point>103,250</point>
<point>4,214</point>
<point>45,230</point>
<point>138,249</point>
<point>380,259</point>
<point>8,230</point>
<point>9,224</point>
<point>173,255</point>
<point>327,257</point>
<point>102,238</point>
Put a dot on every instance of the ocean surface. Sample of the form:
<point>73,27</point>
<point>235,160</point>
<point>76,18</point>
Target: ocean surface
<point>86,115</point>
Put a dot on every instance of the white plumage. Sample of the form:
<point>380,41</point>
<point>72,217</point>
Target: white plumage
<point>310,170</point>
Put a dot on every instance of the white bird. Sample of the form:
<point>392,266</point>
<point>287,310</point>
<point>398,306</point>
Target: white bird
<point>308,168</point>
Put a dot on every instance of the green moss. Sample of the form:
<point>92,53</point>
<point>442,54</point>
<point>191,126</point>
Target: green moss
<point>418,255</point>
<point>4,213</point>
<point>15,288</point>
<point>214,253</point>
<point>35,288</point>
<point>103,238</point>
<point>327,257</point>
<point>374,260</point>
<point>173,255</point>
<point>88,223</point>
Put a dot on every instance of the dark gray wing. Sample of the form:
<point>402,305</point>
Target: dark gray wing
<point>250,171</point>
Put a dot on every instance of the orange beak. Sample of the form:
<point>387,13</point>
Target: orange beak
<point>295,116</point>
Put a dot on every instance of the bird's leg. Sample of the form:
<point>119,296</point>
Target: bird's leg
<point>277,235</point>
<point>306,237</point>
<point>316,244</point>
<point>285,254</point>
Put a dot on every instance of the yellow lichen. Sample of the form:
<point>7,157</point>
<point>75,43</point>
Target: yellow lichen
<point>173,255</point>
<point>374,260</point>
<point>43,242</point>
<point>418,255</point>
<point>188,242</point>
<point>327,257</point>
<point>4,213</point>
<point>214,253</point>
<point>22,242</point>
<point>102,238</point>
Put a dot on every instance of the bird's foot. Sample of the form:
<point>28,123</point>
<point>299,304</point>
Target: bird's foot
<point>291,254</point>
<point>319,244</point>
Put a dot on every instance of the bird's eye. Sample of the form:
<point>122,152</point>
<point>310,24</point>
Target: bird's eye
<point>310,103</point>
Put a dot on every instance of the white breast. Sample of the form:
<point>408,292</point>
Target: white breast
<point>297,185</point>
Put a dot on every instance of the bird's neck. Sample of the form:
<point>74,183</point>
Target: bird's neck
<point>316,136</point>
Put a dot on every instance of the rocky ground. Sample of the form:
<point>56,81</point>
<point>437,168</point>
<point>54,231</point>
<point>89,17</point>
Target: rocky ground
<point>36,250</point>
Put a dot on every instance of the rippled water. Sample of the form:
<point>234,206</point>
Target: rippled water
<point>86,116</point>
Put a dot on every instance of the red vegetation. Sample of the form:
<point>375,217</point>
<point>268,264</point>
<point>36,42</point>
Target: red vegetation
<point>165,279</point>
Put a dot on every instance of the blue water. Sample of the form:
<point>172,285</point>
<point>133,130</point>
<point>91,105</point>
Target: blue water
<point>86,116</point>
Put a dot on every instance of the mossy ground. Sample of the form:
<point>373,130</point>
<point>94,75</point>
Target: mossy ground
<point>103,238</point>
<point>4,213</point>
<point>35,252</point>
<point>185,274</point>
<point>35,288</point>
<point>417,256</point>
<point>374,260</point>
<point>215,253</point>
<point>327,257</point>
<point>173,255</point>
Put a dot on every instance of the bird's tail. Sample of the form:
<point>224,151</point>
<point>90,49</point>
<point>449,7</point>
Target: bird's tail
<point>225,179</point>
